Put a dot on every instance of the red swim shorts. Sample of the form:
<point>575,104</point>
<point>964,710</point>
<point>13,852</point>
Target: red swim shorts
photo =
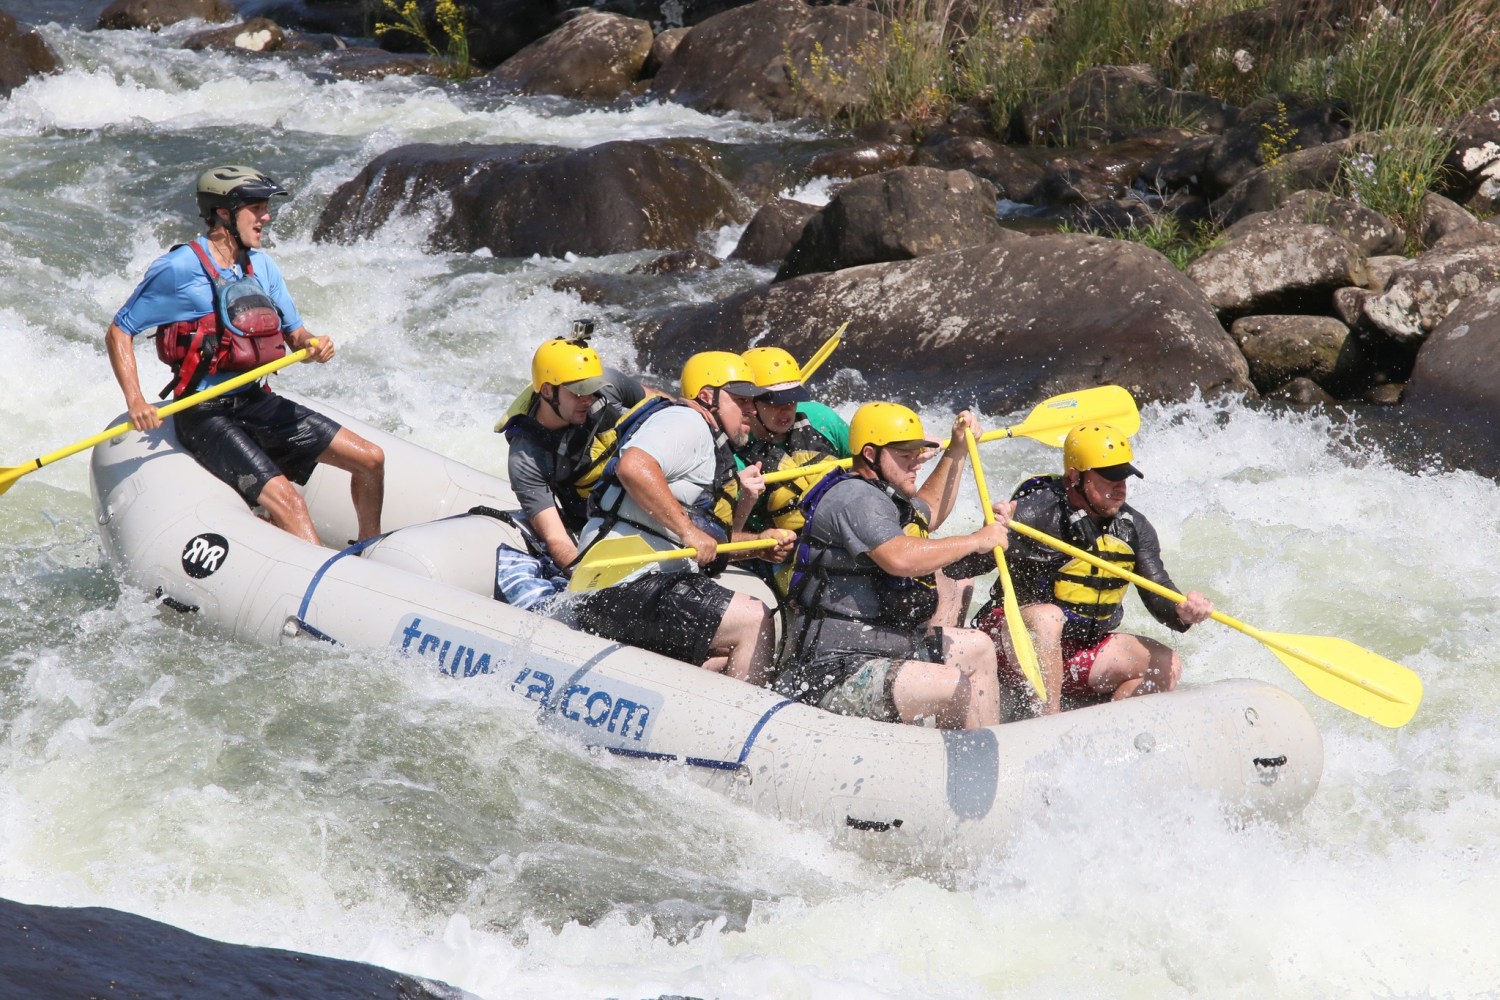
<point>1078,658</point>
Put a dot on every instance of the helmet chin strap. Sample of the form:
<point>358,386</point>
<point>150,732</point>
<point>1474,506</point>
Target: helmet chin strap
<point>234,233</point>
<point>1088,504</point>
<point>551,402</point>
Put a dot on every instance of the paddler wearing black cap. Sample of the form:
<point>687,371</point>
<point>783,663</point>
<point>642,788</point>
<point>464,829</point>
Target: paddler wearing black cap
<point>1071,608</point>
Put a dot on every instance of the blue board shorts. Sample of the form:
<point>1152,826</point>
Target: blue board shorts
<point>249,438</point>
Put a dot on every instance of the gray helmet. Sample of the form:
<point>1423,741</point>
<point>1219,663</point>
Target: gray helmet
<point>230,187</point>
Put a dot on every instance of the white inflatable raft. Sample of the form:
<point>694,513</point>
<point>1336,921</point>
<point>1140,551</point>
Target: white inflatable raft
<point>424,590</point>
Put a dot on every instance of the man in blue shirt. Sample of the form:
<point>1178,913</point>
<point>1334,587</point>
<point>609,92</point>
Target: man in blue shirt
<point>254,440</point>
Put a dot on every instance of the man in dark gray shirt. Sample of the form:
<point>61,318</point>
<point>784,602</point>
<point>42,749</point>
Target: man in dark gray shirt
<point>864,586</point>
<point>551,432</point>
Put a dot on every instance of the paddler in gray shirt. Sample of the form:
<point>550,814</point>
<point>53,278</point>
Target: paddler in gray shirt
<point>552,433</point>
<point>864,589</point>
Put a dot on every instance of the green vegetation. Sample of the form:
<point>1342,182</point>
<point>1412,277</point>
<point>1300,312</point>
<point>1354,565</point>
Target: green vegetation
<point>450,20</point>
<point>1402,71</point>
<point>1166,236</point>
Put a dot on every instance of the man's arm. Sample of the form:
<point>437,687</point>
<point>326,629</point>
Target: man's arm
<point>643,479</point>
<point>322,352</point>
<point>1175,616</point>
<point>940,491</point>
<point>911,557</point>
<point>548,525</point>
<point>121,348</point>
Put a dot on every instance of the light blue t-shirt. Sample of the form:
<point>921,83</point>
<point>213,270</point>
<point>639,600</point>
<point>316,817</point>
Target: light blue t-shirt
<point>175,290</point>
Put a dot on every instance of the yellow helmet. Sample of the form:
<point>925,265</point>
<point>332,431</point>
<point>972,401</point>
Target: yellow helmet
<point>777,371</point>
<point>881,424</point>
<point>572,364</point>
<point>718,370</point>
<point>1101,448</point>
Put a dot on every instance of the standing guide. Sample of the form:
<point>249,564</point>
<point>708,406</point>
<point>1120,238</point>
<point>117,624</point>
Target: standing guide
<point>219,306</point>
<point>672,483</point>
<point>1071,608</point>
<point>864,590</point>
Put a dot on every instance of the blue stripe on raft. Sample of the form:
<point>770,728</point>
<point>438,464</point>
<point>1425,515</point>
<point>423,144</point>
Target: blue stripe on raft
<point>317,578</point>
<point>759,725</point>
<point>708,762</point>
<point>973,771</point>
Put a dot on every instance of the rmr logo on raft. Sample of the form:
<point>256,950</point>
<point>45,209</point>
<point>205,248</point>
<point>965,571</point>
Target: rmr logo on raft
<point>204,554</point>
<point>607,711</point>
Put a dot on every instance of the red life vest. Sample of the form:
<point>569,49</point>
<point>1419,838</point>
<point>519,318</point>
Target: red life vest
<point>242,332</point>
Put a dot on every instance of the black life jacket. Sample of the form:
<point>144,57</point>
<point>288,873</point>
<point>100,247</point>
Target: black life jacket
<point>1088,595</point>
<point>576,464</point>
<point>241,333</point>
<point>712,512</point>
<point>905,602</point>
<point>804,446</point>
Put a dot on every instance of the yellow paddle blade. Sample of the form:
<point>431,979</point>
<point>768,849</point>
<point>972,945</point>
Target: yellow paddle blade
<point>1051,419</point>
<point>1353,678</point>
<point>1020,639</point>
<point>821,354</point>
<point>610,560</point>
<point>1365,683</point>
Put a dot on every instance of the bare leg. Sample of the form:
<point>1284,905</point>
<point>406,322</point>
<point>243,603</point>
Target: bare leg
<point>744,642</point>
<point>1045,623</point>
<point>365,463</point>
<point>960,693</point>
<point>953,601</point>
<point>1130,665</point>
<point>287,510</point>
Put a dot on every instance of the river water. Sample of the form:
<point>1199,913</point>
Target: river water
<point>351,805</point>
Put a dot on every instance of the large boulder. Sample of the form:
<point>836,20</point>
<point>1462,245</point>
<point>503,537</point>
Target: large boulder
<point>773,232</point>
<point>1016,174</point>
<point>1290,267</point>
<point>1004,324</point>
<point>900,214</point>
<point>1453,397</point>
<point>518,200</point>
<point>54,951</point>
<point>1424,290</point>
<point>594,56</point>
<point>23,54</point>
<point>127,14</point>
<point>258,34</point>
<point>773,59</point>
<point>1371,232</point>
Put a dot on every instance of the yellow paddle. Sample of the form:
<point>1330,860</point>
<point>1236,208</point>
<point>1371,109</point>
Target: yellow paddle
<point>611,560</point>
<point>1048,422</point>
<point>9,475</point>
<point>1020,639</point>
<point>821,354</point>
<point>1363,682</point>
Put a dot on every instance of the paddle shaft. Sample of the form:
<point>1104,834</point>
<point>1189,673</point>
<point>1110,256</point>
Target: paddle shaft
<point>1020,639</point>
<point>1172,595</point>
<point>176,406</point>
<point>666,554</point>
<point>822,353</point>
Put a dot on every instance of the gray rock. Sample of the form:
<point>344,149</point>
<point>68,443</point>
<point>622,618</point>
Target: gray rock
<point>1005,324</point>
<point>1282,348</point>
<point>1292,268</point>
<point>23,54</point>
<point>1367,229</point>
<point>773,232</point>
<point>1014,171</point>
<point>758,60</point>
<point>897,215</point>
<point>1424,290</point>
<point>1438,218</point>
<point>256,35</point>
<point>517,200</point>
<point>129,14</point>
<point>594,56</point>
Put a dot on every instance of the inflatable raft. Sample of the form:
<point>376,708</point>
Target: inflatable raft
<point>424,590</point>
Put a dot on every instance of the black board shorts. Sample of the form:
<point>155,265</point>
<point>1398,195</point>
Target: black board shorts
<point>249,438</point>
<point>675,614</point>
